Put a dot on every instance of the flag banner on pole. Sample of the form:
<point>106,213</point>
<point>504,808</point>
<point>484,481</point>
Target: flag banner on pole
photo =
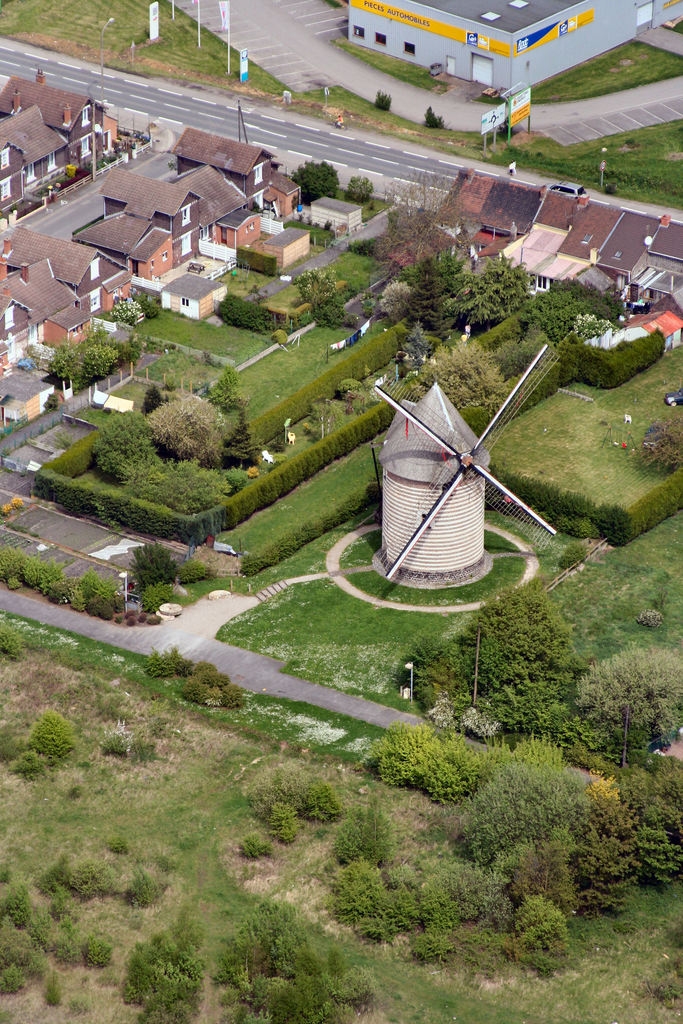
<point>224,6</point>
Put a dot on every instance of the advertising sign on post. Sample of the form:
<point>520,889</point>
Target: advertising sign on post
<point>492,119</point>
<point>520,106</point>
<point>244,65</point>
<point>153,21</point>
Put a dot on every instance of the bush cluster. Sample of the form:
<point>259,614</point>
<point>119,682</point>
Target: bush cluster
<point>284,796</point>
<point>607,368</point>
<point>211,688</point>
<point>52,737</point>
<point>263,262</point>
<point>249,316</point>
<point>168,664</point>
<point>194,570</point>
<point>164,975</point>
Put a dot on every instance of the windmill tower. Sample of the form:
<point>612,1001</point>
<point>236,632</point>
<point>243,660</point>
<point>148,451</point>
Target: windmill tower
<point>436,484</point>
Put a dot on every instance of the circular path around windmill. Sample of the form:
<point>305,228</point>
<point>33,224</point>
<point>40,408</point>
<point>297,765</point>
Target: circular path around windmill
<point>337,575</point>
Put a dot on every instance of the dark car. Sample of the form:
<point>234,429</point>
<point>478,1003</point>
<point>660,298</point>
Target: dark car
<point>567,188</point>
<point>674,397</point>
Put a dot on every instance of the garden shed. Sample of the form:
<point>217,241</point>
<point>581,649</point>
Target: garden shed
<point>288,247</point>
<point>343,218</point>
<point>193,296</point>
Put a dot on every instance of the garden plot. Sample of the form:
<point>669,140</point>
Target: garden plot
<point>67,532</point>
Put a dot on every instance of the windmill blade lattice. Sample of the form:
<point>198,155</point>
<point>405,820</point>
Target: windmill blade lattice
<point>514,403</point>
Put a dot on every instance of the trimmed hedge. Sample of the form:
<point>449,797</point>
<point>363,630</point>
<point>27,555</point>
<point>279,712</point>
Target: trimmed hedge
<point>261,261</point>
<point>372,356</point>
<point>248,315</point>
<point>658,504</point>
<point>292,542</point>
<point>508,330</point>
<point>288,475</point>
<point>112,506</point>
<point>609,368</point>
<point>77,459</point>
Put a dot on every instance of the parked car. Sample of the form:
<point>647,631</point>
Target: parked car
<point>674,397</point>
<point>567,188</point>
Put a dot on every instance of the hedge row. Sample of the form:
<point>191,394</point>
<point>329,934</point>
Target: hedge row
<point>261,261</point>
<point>372,356</point>
<point>288,475</point>
<point>569,511</point>
<point>292,542</point>
<point>248,315</point>
<point>664,500</point>
<point>77,459</point>
<point>508,330</point>
<point>112,506</point>
<point>607,368</point>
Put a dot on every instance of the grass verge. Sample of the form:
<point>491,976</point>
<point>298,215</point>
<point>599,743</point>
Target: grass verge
<point>625,67</point>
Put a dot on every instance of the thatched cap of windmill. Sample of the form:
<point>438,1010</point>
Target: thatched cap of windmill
<point>410,453</point>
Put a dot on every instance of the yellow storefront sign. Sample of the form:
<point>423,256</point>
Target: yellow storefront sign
<point>440,28</point>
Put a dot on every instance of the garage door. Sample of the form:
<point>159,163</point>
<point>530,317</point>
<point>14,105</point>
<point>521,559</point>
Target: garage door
<point>644,15</point>
<point>482,69</point>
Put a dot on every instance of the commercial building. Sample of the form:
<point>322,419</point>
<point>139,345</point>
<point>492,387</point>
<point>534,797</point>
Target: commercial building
<point>502,43</point>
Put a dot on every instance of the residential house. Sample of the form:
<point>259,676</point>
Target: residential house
<point>662,277</point>
<point>23,396</point>
<point>487,208</point>
<point>251,168</point>
<point>30,153</point>
<point>80,121</point>
<point>35,308</point>
<point>624,253</point>
<point>241,227</point>
<point>95,280</point>
<point>152,226</point>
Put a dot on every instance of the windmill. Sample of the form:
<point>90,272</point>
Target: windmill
<point>436,484</point>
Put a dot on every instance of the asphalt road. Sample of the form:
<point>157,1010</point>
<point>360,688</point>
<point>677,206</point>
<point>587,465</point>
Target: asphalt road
<point>291,137</point>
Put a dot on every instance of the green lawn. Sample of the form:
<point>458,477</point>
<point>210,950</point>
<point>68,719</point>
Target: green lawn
<point>402,70</point>
<point>202,336</point>
<point>506,572</point>
<point>626,67</point>
<point>604,600</point>
<point>179,370</point>
<point>565,440</point>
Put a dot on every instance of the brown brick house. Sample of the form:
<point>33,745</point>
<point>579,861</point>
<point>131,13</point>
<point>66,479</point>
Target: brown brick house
<point>30,153</point>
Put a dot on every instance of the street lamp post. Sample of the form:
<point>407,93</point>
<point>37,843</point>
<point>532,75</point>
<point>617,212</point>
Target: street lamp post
<point>105,26</point>
<point>409,665</point>
<point>124,576</point>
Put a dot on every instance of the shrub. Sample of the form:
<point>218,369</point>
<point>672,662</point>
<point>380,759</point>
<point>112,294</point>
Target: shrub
<point>321,802</point>
<point>11,746</point>
<point>168,664</point>
<point>117,740</point>
<point>359,190</point>
<point>153,563</point>
<point>248,316</point>
<point>194,570</point>
<point>155,595</point>
<point>12,979</point>
<point>366,834</point>
<point>431,946</point>
<point>29,765</point>
<point>541,926</point>
<point>17,905</point>
<point>283,823</point>
<point>11,641</point>
<point>92,878</point>
<point>144,890</point>
<point>164,975</point>
<point>68,947</point>
<point>254,845</point>
<point>212,688</point>
<point>359,893</point>
<point>39,928</point>
<point>118,844</point>
<point>53,737</point>
<point>96,951</point>
<point>53,989</point>
<point>650,617</point>
<point>101,607</point>
<point>433,120</point>
<point>56,877</point>
<point>282,785</point>
<point>127,312</point>
<point>574,552</point>
<point>382,100</point>
<point>279,336</point>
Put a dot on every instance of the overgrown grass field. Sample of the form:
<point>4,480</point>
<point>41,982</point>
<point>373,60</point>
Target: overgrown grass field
<point>223,340</point>
<point>566,441</point>
<point>625,67</point>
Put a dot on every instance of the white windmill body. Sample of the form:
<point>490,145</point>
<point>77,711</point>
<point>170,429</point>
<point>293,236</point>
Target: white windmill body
<point>415,469</point>
<point>436,483</point>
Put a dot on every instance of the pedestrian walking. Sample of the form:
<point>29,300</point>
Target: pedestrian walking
<point>512,168</point>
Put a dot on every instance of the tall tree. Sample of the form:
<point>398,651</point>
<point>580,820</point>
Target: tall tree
<point>489,297</point>
<point>239,446</point>
<point>426,305</point>
<point>188,429</point>
<point>124,442</point>
<point>225,391</point>
<point>635,689</point>
<point>468,375</point>
<point>316,180</point>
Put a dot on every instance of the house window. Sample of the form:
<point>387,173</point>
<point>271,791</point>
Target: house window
<point>85,146</point>
<point>204,233</point>
<point>258,174</point>
<point>542,284</point>
<point>95,269</point>
<point>85,115</point>
<point>186,244</point>
<point>52,162</point>
<point>95,302</point>
<point>9,317</point>
<point>32,334</point>
<point>184,301</point>
<point>4,157</point>
<point>380,39</point>
<point>409,48</point>
<point>5,188</point>
<point>30,172</point>
<point>185,212</point>
<point>359,31</point>
<point>164,256</point>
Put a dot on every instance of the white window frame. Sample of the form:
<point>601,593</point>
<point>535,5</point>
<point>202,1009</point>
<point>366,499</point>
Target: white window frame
<point>95,300</point>
<point>258,174</point>
<point>32,334</point>
<point>9,317</point>
<point>204,233</point>
<point>52,161</point>
<point>185,214</point>
<point>6,189</point>
<point>85,146</point>
<point>186,243</point>
<point>30,172</point>
<point>85,115</point>
<point>95,269</point>
<point>4,157</point>
<point>164,256</point>
<point>184,301</point>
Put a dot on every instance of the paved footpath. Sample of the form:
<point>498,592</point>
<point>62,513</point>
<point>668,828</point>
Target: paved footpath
<point>251,671</point>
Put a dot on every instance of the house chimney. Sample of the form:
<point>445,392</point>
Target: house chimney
<point>665,220</point>
<point>40,76</point>
<point>24,272</point>
<point>6,246</point>
<point>470,173</point>
<point>583,200</point>
<point>67,113</point>
<point>543,191</point>
<point>16,102</point>
<point>7,292</point>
